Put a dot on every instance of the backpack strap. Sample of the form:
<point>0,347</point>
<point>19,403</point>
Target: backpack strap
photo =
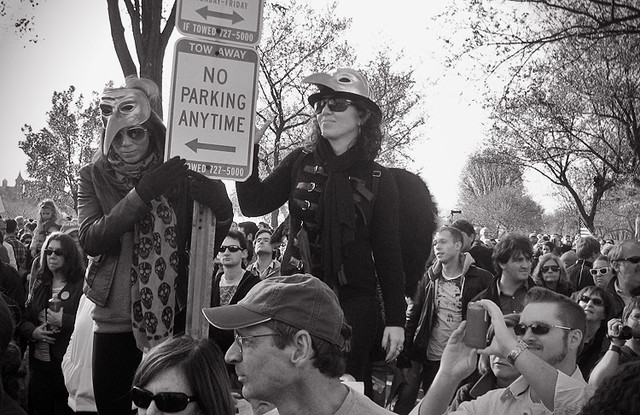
<point>376,181</point>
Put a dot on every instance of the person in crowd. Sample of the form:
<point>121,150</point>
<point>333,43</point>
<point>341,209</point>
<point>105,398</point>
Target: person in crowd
<point>618,395</point>
<point>13,290</point>
<point>183,375</point>
<point>291,342</point>
<point>621,350</point>
<point>624,258</point>
<point>19,250</point>
<point>135,214</point>
<point>596,305</point>
<point>20,222</point>
<point>569,258</point>
<point>338,232</point>
<point>249,229</point>
<point>48,215</point>
<point>48,324</point>
<point>71,228</point>
<point>480,253</point>
<point>265,265</point>
<point>9,402</point>
<point>602,271</point>
<point>495,371</point>
<point>550,273</point>
<point>486,236</point>
<point>512,260</point>
<point>10,254</point>
<point>231,285</point>
<point>77,360</point>
<point>545,351</point>
<point>587,249</point>
<point>438,308</point>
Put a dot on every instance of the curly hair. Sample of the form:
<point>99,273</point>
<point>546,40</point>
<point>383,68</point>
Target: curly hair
<point>618,395</point>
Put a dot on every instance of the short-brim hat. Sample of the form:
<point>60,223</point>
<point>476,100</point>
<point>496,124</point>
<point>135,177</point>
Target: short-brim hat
<point>301,300</point>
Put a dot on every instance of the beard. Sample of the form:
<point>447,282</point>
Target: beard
<point>559,357</point>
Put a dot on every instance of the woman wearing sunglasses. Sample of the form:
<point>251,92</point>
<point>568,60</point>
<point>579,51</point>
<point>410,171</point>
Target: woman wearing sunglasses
<point>135,215</point>
<point>550,273</point>
<point>183,376</point>
<point>338,232</point>
<point>596,305</point>
<point>48,325</point>
<point>602,271</point>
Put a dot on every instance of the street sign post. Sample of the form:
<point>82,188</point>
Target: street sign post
<point>212,108</point>
<point>236,21</point>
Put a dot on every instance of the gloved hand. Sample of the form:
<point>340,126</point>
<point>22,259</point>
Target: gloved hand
<point>162,178</point>
<point>212,193</point>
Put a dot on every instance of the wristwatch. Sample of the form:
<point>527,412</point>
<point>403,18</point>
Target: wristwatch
<point>515,352</point>
<point>614,348</point>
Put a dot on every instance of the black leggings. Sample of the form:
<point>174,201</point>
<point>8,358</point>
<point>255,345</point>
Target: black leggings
<point>115,360</point>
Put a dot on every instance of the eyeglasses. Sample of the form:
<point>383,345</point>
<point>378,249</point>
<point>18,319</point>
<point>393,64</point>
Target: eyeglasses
<point>335,104</point>
<point>536,328</point>
<point>601,271</point>
<point>238,339</point>
<point>231,248</point>
<point>165,401</point>
<point>135,133</point>
<point>595,300</point>
<point>553,268</point>
<point>56,251</point>
<point>633,259</point>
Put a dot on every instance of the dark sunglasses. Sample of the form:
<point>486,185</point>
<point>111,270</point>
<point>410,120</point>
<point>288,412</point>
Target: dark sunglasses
<point>57,251</point>
<point>231,248</point>
<point>595,300</point>
<point>134,133</point>
<point>335,104</point>
<point>553,268</point>
<point>536,328</point>
<point>601,271</point>
<point>633,259</point>
<point>165,401</point>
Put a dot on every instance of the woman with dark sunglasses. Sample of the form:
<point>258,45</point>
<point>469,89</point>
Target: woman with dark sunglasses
<point>344,211</point>
<point>135,214</point>
<point>48,322</point>
<point>596,305</point>
<point>550,273</point>
<point>183,376</point>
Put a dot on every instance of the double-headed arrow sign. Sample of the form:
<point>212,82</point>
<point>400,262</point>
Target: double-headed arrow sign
<point>234,17</point>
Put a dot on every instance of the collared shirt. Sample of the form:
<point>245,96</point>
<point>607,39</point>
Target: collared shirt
<point>513,304</point>
<point>572,393</point>
<point>273,270</point>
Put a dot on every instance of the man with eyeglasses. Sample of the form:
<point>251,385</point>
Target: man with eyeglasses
<point>265,265</point>
<point>549,337</point>
<point>291,341</point>
<point>624,258</point>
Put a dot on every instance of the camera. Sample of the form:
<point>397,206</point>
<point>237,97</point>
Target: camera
<point>627,332</point>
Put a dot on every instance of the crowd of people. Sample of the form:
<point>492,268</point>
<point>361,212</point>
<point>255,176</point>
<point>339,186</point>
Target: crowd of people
<point>93,310</point>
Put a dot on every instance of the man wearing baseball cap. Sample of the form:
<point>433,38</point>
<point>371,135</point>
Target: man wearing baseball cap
<point>290,344</point>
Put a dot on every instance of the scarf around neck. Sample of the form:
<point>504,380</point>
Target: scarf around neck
<point>338,216</point>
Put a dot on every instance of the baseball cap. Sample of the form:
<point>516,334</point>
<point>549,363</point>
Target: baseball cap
<point>344,82</point>
<point>301,300</point>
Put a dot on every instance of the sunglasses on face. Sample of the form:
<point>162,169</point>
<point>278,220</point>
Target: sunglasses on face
<point>553,268</point>
<point>165,401</point>
<point>335,104</point>
<point>595,300</point>
<point>633,259</point>
<point>600,271</point>
<point>134,133</point>
<point>231,248</point>
<point>57,251</point>
<point>536,328</point>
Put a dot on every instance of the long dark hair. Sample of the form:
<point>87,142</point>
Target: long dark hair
<point>73,268</point>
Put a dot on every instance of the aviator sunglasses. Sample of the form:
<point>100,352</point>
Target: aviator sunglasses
<point>231,248</point>
<point>136,133</point>
<point>536,328</point>
<point>553,268</point>
<point>56,251</point>
<point>165,401</point>
<point>335,104</point>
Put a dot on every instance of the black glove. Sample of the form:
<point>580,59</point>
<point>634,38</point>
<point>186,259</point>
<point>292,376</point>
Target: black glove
<point>212,193</point>
<point>162,178</point>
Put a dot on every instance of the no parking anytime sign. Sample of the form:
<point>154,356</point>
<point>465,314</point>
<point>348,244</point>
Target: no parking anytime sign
<point>211,119</point>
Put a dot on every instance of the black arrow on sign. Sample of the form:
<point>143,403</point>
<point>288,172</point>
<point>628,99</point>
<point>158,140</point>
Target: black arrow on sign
<point>194,146</point>
<point>205,13</point>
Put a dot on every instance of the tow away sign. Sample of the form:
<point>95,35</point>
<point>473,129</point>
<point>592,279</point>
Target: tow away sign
<point>212,108</point>
<point>237,21</point>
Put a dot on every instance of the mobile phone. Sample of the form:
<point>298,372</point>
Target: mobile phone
<point>477,326</point>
